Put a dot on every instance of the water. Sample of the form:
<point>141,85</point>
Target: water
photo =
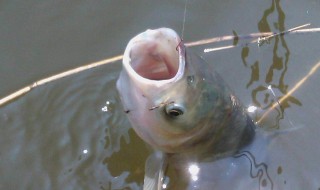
<point>62,136</point>
<point>70,141</point>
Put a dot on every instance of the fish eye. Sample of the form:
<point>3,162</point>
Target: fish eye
<point>174,110</point>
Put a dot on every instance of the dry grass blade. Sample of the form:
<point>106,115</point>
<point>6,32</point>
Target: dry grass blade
<point>55,77</point>
<point>261,37</point>
<point>296,30</point>
<point>295,88</point>
<point>280,33</point>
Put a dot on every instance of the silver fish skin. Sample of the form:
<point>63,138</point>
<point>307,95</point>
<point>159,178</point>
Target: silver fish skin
<point>176,102</point>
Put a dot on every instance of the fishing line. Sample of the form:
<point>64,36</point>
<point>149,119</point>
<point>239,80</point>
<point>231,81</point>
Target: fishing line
<point>184,18</point>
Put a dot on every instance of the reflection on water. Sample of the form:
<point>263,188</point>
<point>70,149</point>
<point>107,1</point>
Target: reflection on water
<point>274,76</point>
<point>133,149</point>
<point>259,171</point>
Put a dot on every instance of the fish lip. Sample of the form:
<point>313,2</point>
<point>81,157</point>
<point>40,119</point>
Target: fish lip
<point>158,83</point>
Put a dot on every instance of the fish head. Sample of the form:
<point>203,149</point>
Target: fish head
<point>173,99</point>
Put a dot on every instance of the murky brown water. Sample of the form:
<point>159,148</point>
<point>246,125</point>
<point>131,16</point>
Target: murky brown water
<point>73,134</point>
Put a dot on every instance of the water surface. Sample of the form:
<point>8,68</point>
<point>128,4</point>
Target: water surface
<point>72,133</point>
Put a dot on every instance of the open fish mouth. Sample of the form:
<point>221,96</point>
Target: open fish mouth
<point>155,56</point>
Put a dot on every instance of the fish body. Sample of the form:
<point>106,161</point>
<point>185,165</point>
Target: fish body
<point>176,102</point>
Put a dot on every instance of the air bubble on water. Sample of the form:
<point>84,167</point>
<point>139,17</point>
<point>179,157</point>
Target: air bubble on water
<point>165,181</point>
<point>194,171</point>
<point>105,108</point>
<point>164,186</point>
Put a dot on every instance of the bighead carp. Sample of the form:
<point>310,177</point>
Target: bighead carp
<point>176,102</point>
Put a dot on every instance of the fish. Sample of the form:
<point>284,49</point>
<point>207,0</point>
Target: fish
<point>176,102</point>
